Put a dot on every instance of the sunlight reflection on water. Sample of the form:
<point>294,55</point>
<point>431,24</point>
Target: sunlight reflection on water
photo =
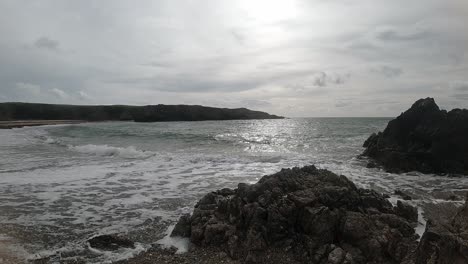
<point>80,180</point>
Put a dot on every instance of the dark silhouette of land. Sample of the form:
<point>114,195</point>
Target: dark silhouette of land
<point>149,113</point>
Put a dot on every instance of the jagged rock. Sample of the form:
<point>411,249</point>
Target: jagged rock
<point>312,214</point>
<point>110,242</point>
<point>407,211</point>
<point>445,243</point>
<point>182,228</point>
<point>403,195</point>
<point>425,139</point>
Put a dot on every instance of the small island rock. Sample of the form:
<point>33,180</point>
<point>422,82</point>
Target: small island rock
<point>425,139</point>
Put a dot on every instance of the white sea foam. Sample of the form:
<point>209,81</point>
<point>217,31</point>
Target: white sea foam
<point>96,256</point>
<point>421,227</point>
<point>50,140</point>
<point>117,255</point>
<point>181,243</point>
<point>123,253</point>
<point>106,150</point>
<point>90,178</point>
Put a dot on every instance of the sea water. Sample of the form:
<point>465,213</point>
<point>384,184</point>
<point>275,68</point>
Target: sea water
<point>61,185</point>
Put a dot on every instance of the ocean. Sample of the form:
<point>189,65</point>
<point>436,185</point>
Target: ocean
<point>61,185</point>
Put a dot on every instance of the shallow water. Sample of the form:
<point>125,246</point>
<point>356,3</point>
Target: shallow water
<point>60,185</point>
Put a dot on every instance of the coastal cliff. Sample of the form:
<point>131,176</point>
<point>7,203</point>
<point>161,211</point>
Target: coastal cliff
<point>149,113</point>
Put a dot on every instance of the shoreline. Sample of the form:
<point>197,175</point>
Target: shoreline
<point>30,123</point>
<point>196,254</point>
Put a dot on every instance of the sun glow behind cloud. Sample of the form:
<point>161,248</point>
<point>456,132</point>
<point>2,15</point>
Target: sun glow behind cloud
<point>270,11</point>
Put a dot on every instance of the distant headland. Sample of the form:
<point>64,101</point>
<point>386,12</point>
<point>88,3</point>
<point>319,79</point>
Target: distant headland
<point>149,113</point>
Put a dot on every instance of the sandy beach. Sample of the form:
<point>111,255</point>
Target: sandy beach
<point>24,123</point>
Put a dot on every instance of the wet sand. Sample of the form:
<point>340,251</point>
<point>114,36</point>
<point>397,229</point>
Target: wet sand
<point>24,123</point>
<point>7,252</point>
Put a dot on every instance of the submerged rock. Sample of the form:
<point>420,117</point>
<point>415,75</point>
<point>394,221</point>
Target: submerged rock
<point>425,139</point>
<point>110,242</point>
<point>311,214</point>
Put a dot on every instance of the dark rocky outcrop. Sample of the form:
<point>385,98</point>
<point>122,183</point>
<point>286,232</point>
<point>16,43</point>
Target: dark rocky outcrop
<point>110,242</point>
<point>407,211</point>
<point>425,139</point>
<point>149,113</point>
<point>445,243</point>
<point>403,195</point>
<point>310,214</point>
<point>182,228</point>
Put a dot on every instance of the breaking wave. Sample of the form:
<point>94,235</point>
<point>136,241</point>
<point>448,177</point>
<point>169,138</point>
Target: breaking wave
<point>106,150</point>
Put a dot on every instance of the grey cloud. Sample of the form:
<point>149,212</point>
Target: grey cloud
<point>240,102</point>
<point>320,80</point>
<point>83,95</point>
<point>163,51</point>
<point>341,104</point>
<point>323,79</point>
<point>460,96</point>
<point>28,88</point>
<point>460,86</point>
<point>273,65</point>
<point>394,35</point>
<point>205,79</point>
<point>23,91</point>
<point>460,90</point>
<point>190,83</point>
<point>238,36</point>
<point>255,103</point>
<point>158,64</point>
<point>361,45</point>
<point>378,101</point>
<point>387,71</point>
<point>23,69</point>
<point>46,43</point>
<point>59,93</point>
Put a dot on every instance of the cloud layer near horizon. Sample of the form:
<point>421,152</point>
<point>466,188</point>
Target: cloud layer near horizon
<point>293,58</point>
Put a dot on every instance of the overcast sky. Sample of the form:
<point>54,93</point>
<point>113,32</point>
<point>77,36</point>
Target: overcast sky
<point>293,58</point>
